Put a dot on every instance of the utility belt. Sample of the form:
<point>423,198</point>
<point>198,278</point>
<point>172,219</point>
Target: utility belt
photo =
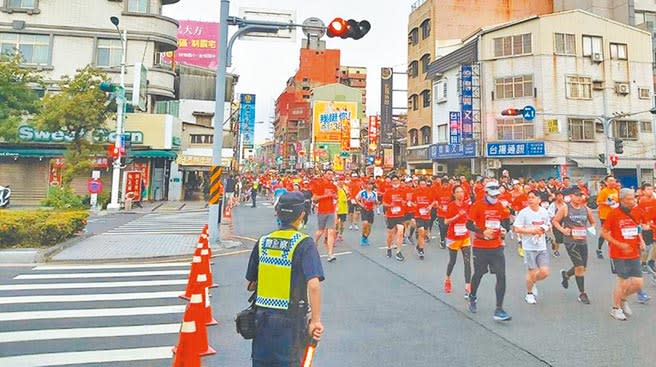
<point>246,320</point>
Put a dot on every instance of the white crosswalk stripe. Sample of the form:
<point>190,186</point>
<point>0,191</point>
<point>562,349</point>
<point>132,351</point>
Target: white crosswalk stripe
<point>164,223</point>
<point>100,311</point>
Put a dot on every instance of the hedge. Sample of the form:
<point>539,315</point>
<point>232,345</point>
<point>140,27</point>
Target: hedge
<point>40,228</point>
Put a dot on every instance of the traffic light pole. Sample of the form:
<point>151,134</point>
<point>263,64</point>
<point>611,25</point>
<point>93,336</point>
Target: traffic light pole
<point>120,110</point>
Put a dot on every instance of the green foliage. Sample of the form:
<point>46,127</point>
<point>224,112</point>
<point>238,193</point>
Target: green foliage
<point>103,199</point>
<point>17,97</point>
<point>39,227</point>
<point>78,109</point>
<point>63,198</point>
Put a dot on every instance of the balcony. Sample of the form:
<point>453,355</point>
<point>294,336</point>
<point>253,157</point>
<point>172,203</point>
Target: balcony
<point>160,29</point>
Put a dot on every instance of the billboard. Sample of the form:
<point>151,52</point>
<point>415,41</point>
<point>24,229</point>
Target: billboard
<point>386,110</point>
<point>467,102</point>
<point>454,127</point>
<point>374,126</point>
<point>330,119</point>
<point>197,44</point>
<point>247,119</point>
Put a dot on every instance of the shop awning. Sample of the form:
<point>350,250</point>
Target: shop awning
<point>30,152</point>
<point>153,154</point>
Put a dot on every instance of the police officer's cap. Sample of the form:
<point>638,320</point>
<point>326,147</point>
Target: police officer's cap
<point>290,206</point>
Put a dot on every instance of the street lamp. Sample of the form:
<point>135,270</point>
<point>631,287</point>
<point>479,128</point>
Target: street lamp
<point>120,111</point>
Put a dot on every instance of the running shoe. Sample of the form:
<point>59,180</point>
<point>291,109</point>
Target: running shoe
<point>350,227</point>
<point>442,245</point>
<point>530,299</point>
<point>399,256</point>
<point>520,251</point>
<point>420,253</point>
<point>626,308</point>
<point>617,314</point>
<point>332,259</point>
<point>643,297</point>
<point>389,252</point>
<point>447,285</point>
<point>556,253</point>
<point>471,305</point>
<point>363,241</point>
<point>366,241</point>
<point>564,278</point>
<point>534,290</point>
<point>501,315</point>
<point>583,298</point>
<point>357,228</point>
<point>600,255</point>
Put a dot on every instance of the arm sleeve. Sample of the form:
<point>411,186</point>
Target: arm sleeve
<point>310,260</point>
<point>253,262</point>
<point>505,223</point>
<point>472,227</point>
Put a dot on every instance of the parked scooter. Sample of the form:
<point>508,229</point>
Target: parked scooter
<point>5,194</point>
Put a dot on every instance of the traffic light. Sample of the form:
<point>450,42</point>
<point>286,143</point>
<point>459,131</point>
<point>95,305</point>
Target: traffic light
<point>339,27</point>
<point>614,159</point>
<point>115,152</point>
<point>108,87</point>
<point>602,158</point>
<point>511,112</point>
<point>619,146</point>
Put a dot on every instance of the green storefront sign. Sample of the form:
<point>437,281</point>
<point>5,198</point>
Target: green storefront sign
<point>28,133</point>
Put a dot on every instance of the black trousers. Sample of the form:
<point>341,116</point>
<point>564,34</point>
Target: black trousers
<point>495,260</point>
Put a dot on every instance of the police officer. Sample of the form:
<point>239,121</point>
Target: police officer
<point>285,270</point>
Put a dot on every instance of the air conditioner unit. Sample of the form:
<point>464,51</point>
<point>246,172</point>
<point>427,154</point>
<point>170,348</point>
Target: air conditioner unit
<point>440,169</point>
<point>597,57</point>
<point>622,88</point>
<point>493,164</point>
<point>598,84</point>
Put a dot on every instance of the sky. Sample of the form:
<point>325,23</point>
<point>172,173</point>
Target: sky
<point>265,65</point>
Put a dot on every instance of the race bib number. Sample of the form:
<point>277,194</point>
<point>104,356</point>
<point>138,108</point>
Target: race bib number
<point>504,203</point>
<point>423,211</point>
<point>492,224</point>
<point>444,208</point>
<point>395,210</point>
<point>579,233</point>
<point>460,229</point>
<point>629,232</point>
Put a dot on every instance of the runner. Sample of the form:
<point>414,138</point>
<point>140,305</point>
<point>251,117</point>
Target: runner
<point>409,222</point>
<point>354,187</point>
<point>648,205</point>
<point>443,197</point>
<point>621,231</point>
<point>607,200</point>
<point>457,238</point>
<point>324,192</point>
<point>574,220</point>
<point>395,204</point>
<point>424,200</point>
<point>367,200</point>
<point>644,214</point>
<point>342,208</point>
<point>532,223</point>
<point>554,207</point>
<point>488,220</point>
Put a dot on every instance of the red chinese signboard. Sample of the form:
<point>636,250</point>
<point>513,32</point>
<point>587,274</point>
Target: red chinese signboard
<point>133,185</point>
<point>196,44</point>
<point>374,127</point>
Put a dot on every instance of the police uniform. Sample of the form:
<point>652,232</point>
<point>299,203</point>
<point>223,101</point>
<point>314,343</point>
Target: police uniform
<point>282,262</point>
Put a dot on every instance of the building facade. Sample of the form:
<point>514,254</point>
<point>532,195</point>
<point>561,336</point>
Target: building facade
<point>574,68</point>
<point>435,28</point>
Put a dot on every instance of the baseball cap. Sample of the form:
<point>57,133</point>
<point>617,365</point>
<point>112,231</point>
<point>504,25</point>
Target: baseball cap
<point>492,188</point>
<point>290,206</point>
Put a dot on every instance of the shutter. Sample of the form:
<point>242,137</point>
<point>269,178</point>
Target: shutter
<point>27,179</point>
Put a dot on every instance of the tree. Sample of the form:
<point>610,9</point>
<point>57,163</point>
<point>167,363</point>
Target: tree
<point>79,109</point>
<point>18,100</point>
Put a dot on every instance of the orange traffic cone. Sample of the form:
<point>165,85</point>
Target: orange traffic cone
<point>205,229</point>
<point>193,275</point>
<point>227,212</point>
<point>195,332</point>
<point>206,266</point>
<point>186,353</point>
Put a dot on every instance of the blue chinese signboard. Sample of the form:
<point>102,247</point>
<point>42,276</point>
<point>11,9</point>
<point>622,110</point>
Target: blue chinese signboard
<point>454,127</point>
<point>516,149</point>
<point>447,151</point>
<point>528,113</point>
<point>467,101</point>
<point>247,119</point>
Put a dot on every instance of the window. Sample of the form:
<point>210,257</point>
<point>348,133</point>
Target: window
<point>515,129</point>
<point>425,29</point>
<point>440,90</point>
<point>413,37</point>
<point>413,102</point>
<point>441,133</point>
<point>413,69</point>
<point>202,139</point>
<point>644,93</point>
<point>579,87</point>
<point>512,45</point>
<point>22,4</point>
<point>618,51</point>
<point>627,130</point>
<point>138,6</point>
<point>425,61</point>
<point>414,137</point>
<point>581,130</point>
<point>108,53</point>
<point>35,49</point>
<point>514,87</point>
<point>592,45</point>
<point>645,126</point>
<point>565,44</point>
<point>426,98</point>
<point>426,135</point>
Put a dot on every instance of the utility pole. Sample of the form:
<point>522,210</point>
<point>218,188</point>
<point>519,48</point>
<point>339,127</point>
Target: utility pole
<point>120,110</point>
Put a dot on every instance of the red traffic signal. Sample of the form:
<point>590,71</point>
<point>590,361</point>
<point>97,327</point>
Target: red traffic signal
<point>511,112</point>
<point>614,159</point>
<point>339,27</point>
<point>115,152</point>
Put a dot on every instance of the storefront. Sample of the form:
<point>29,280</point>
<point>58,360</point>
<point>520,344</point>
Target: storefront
<point>419,161</point>
<point>452,159</point>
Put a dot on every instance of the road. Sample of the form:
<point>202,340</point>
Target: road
<point>376,311</point>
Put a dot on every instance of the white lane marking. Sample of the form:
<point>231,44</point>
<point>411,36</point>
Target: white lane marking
<point>339,253</point>
<point>98,312</point>
<point>92,332</point>
<point>110,266</point>
<point>393,247</point>
<point>133,233</point>
<point>93,356</point>
<point>146,283</point>
<point>102,275</point>
<point>87,297</point>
